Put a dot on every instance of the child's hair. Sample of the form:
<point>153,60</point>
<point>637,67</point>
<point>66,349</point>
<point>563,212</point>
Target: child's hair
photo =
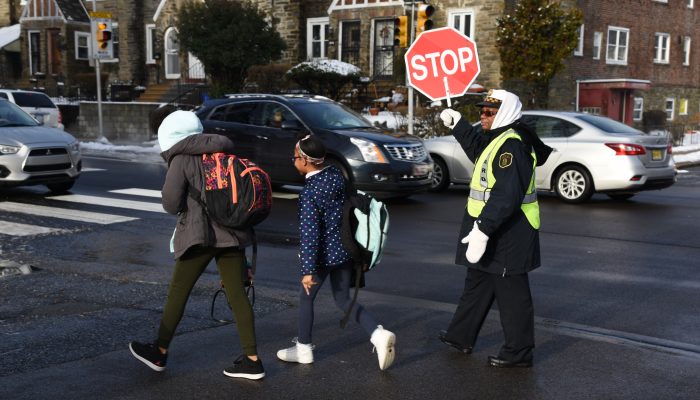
<point>312,149</point>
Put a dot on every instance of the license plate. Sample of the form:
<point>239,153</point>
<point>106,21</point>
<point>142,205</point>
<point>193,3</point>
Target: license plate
<point>421,170</point>
<point>657,155</point>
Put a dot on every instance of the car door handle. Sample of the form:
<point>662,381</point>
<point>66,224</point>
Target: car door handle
<point>217,129</point>
<point>263,137</point>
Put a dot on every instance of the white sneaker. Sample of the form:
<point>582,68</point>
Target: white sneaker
<point>384,341</point>
<point>299,353</point>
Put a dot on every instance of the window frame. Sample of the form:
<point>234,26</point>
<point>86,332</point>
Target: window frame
<point>615,61</point>
<point>672,110</point>
<point>578,51</point>
<point>151,35</point>
<point>637,101</point>
<point>77,46</point>
<point>461,14</point>
<point>691,4</point>
<point>597,44</point>
<point>662,55</point>
<point>32,68</point>
<point>324,24</point>
<point>683,107</point>
<point>686,50</point>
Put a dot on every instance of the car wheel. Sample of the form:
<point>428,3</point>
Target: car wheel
<point>574,184</point>
<point>621,196</point>
<point>61,187</point>
<point>441,176</point>
<point>340,166</point>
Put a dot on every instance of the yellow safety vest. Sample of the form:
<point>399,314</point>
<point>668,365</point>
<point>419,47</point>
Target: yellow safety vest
<point>483,181</point>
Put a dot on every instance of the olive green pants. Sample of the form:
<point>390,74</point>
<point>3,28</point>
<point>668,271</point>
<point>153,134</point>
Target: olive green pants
<point>230,262</point>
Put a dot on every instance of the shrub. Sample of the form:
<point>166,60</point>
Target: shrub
<point>270,78</point>
<point>330,78</point>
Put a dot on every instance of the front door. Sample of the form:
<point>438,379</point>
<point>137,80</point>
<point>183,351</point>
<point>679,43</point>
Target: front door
<point>172,54</point>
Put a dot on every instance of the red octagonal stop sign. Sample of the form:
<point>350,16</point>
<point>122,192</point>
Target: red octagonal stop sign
<point>442,62</point>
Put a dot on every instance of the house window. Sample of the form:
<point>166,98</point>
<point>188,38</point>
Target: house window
<point>597,42</point>
<point>82,46</point>
<point>383,48</point>
<point>578,51</point>
<point>151,44</point>
<point>686,51</point>
<point>463,21</point>
<point>618,40</point>
<point>683,107</point>
<point>317,38</point>
<point>670,106</point>
<point>638,108</point>
<point>690,3</point>
<point>350,42</point>
<point>661,48</point>
<point>172,54</point>
<point>34,52</point>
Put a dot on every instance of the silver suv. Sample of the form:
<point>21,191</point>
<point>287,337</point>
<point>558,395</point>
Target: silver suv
<point>36,104</point>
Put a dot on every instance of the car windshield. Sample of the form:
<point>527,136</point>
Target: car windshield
<point>326,115</point>
<point>11,115</point>
<point>610,126</point>
<point>30,99</point>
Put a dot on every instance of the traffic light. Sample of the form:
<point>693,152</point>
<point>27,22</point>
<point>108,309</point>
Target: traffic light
<point>424,23</point>
<point>103,35</point>
<point>401,31</point>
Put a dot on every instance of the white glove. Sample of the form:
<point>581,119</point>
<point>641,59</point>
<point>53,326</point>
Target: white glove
<point>450,117</point>
<point>477,244</point>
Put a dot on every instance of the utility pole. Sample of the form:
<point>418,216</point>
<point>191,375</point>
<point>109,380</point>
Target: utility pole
<point>410,88</point>
<point>99,84</point>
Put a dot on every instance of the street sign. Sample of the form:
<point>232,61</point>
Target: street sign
<point>442,63</point>
<point>101,32</point>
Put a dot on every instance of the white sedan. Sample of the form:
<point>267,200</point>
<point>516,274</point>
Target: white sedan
<point>591,154</point>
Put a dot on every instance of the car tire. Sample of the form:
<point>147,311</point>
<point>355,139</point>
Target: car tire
<point>441,176</point>
<point>340,166</point>
<point>61,187</point>
<point>574,184</point>
<point>621,196</point>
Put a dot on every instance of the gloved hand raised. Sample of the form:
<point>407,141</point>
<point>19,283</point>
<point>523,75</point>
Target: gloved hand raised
<point>450,117</point>
<point>477,244</point>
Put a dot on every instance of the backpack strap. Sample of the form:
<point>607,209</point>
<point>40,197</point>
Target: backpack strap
<point>358,278</point>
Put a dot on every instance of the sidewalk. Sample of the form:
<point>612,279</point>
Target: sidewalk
<point>567,366</point>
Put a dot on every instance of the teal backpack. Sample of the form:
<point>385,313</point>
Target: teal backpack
<point>364,231</point>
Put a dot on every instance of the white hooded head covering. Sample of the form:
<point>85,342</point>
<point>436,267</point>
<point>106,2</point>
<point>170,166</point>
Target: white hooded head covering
<point>177,126</point>
<point>510,109</point>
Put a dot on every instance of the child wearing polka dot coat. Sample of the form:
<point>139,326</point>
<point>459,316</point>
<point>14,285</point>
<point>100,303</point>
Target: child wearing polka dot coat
<point>322,254</point>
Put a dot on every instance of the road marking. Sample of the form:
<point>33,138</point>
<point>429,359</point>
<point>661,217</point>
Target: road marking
<point>110,202</point>
<point>63,213</point>
<point>138,192</point>
<point>92,169</point>
<point>17,229</point>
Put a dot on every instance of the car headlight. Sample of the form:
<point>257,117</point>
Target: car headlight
<point>4,149</point>
<point>369,150</point>
<point>75,146</point>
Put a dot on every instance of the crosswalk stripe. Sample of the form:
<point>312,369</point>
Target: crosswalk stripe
<point>63,213</point>
<point>17,229</point>
<point>138,192</point>
<point>110,202</point>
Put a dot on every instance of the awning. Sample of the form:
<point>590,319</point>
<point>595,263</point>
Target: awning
<point>638,84</point>
<point>9,38</point>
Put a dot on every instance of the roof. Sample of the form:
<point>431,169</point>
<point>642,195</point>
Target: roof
<point>73,10</point>
<point>8,36</point>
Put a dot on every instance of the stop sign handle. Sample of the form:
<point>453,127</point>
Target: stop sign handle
<point>447,92</point>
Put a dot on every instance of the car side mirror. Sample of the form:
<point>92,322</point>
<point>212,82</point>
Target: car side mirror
<point>293,125</point>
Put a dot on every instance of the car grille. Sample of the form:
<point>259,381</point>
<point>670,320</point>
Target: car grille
<point>48,159</point>
<point>407,152</point>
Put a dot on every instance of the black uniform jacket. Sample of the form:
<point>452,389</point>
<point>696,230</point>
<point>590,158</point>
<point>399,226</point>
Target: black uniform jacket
<point>513,246</point>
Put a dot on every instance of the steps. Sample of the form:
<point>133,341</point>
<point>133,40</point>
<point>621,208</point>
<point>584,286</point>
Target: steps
<point>156,93</point>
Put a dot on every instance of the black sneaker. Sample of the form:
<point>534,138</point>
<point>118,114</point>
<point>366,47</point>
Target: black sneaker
<point>149,354</point>
<point>246,368</point>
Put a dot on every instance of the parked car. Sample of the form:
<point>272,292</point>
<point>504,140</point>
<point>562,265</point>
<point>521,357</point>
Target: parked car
<point>591,154</point>
<point>36,104</point>
<point>32,154</point>
<point>265,128</point>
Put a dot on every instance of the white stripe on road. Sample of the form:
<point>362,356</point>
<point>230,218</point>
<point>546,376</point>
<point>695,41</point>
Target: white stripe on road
<point>17,229</point>
<point>92,169</point>
<point>138,192</point>
<point>63,213</point>
<point>110,202</point>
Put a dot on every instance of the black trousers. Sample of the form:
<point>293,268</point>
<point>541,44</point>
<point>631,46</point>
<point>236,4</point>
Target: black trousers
<point>512,295</point>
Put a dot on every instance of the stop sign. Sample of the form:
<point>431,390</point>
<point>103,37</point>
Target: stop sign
<point>442,62</point>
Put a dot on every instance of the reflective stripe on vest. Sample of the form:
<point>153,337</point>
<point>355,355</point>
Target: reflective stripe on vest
<point>482,183</point>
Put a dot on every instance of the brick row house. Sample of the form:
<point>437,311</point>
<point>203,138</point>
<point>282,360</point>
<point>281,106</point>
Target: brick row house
<point>630,59</point>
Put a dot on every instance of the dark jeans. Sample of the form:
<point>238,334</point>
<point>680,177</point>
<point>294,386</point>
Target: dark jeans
<point>230,262</point>
<point>340,284</point>
<point>512,294</point>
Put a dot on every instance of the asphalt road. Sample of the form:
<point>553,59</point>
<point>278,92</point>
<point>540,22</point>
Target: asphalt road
<point>615,300</point>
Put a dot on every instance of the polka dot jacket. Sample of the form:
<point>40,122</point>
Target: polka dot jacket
<point>320,215</point>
